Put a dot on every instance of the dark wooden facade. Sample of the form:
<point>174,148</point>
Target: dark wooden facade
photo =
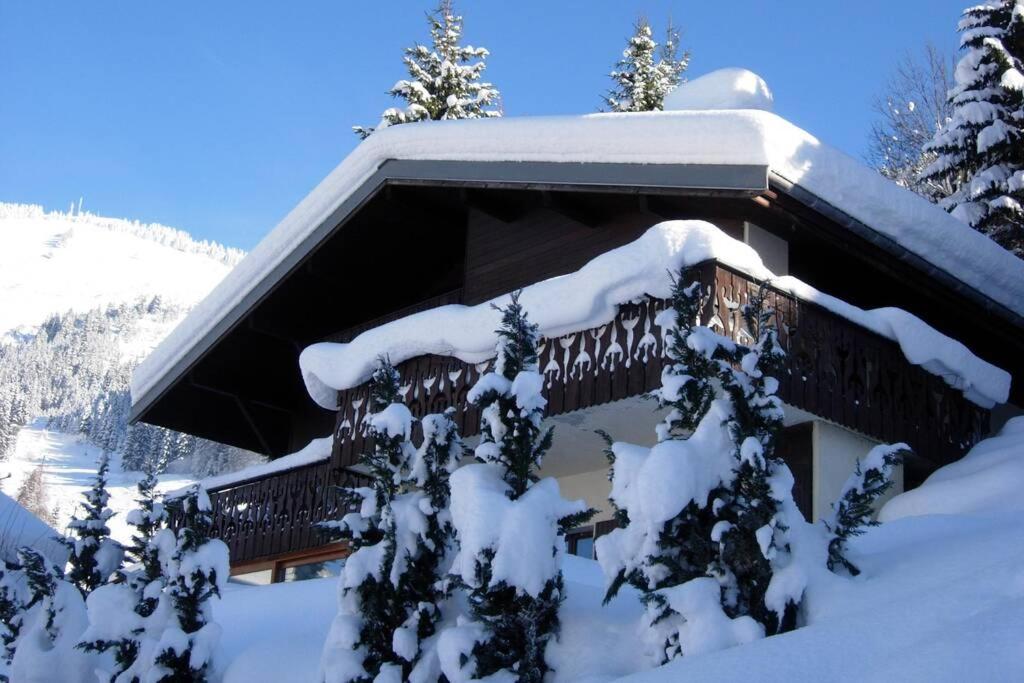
<point>835,370</point>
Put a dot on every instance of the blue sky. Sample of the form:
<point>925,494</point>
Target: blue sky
<point>218,117</point>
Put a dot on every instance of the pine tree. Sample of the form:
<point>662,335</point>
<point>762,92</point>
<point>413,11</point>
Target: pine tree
<point>95,556</point>
<point>135,594</point>
<point>645,74</point>
<point>514,611</point>
<point>705,511</point>
<point>444,82</point>
<point>359,646</point>
<point>854,510</point>
<point>196,573</point>
<point>33,497</point>
<point>752,524</point>
<point>422,589</point>
<point>981,148</point>
<point>13,600</point>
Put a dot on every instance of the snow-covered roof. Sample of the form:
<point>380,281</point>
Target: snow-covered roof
<point>724,137</point>
<point>590,297</point>
<point>19,528</point>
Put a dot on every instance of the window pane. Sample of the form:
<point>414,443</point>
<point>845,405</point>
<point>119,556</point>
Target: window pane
<point>314,570</point>
<point>260,578</point>
<point>585,547</point>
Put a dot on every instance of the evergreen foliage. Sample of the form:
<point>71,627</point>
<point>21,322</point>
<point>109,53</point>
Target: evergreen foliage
<point>980,150</point>
<point>95,556</point>
<point>516,624</point>
<point>13,600</point>
<point>360,645</point>
<point>33,497</point>
<point>645,74</point>
<point>444,80</point>
<point>854,510</point>
<point>745,561</point>
<point>727,540</point>
<point>196,573</point>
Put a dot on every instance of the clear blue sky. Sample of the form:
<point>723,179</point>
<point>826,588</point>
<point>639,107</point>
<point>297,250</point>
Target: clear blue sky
<point>218,117</point>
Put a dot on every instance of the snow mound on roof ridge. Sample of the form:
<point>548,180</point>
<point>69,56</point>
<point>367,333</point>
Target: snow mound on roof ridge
<point>590,297</point>
<point>987,480</point>
<point>732,88</point>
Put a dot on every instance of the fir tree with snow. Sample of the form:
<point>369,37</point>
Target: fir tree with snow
<point>705,511</point>
<point>119,611</point>
<point>13,598</point>
<point>980,150</point>
<point>422,588</point>
<point>444,80</point>
<point>360,645</point>
<point>33,496</point>
<point>854,510</point>
<point>752,526</point>
<point>195,572</point>
<point>95,556</point>
<point>646,74</point>
<point>507,522</point>
<point>50,623</point>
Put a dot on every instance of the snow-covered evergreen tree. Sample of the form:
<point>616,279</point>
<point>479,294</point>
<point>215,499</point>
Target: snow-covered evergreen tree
<point>360,645</point>
<point>854,510</point>
<point>194,573</point>
<point>422,589</point>
<point>32,495</point>
<point>752,526</point>
<point>444,80</point>
<point>14,597</point>
<point>980,150</point>
<point>507,523</point>
<point>645,74</point>
<point>95,556</point>
<point>49,625</point>
<point>705,510</point>
<point>119,612</point>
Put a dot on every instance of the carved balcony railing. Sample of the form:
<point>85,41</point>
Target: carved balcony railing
<point>279,512</point>
<point>834,369</point>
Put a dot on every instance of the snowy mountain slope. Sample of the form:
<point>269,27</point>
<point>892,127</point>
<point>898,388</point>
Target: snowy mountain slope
<point>126,285</point>
<point>51,262</point>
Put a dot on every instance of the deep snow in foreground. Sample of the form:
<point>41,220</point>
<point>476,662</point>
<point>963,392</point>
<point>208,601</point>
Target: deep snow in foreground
<point>941,598</point>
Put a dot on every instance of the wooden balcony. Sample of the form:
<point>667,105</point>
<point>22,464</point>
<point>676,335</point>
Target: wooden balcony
<point>834,369</point>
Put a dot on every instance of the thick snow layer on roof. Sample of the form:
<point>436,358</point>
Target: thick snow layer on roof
<point>19,527</point>
<point>988,479</point>
<point>722,89</point>
<point>315,451</point>
<point>671,137</point>
<point>590,297</point>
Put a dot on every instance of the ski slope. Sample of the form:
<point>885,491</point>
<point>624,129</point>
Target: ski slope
<point>51,262</point>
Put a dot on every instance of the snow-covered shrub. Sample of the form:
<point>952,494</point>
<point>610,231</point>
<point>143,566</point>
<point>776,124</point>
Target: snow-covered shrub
<point>95,556</point>
<point>980,150</point>
<point>50,623</point>
<point>645,75</point>
<point>195,572</point>
<point>507,523</point>
<point>854,510</point>
<point>13,598</point>
<point>360,646</point>
<point>444,82</point>
<point>708,506</point>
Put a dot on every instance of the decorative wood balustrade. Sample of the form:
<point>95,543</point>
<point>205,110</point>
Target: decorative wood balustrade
<point>834,369</point>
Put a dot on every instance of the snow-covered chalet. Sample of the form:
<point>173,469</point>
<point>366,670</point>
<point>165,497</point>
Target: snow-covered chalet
<point>899,322</point>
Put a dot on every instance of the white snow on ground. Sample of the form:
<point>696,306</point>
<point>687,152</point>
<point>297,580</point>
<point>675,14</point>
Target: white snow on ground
<point>70,465</point>
<point>989,477</point>
<point>722,89</point>
<point>941,598</point>
<point>53,262</point>
<point>19,527</point>
<point>671,137</point>
<point>590,297</point>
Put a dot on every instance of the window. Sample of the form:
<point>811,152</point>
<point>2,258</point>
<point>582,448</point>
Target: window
<point>316,569</point>
<point>318,563</point>
<point>581,542</point>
